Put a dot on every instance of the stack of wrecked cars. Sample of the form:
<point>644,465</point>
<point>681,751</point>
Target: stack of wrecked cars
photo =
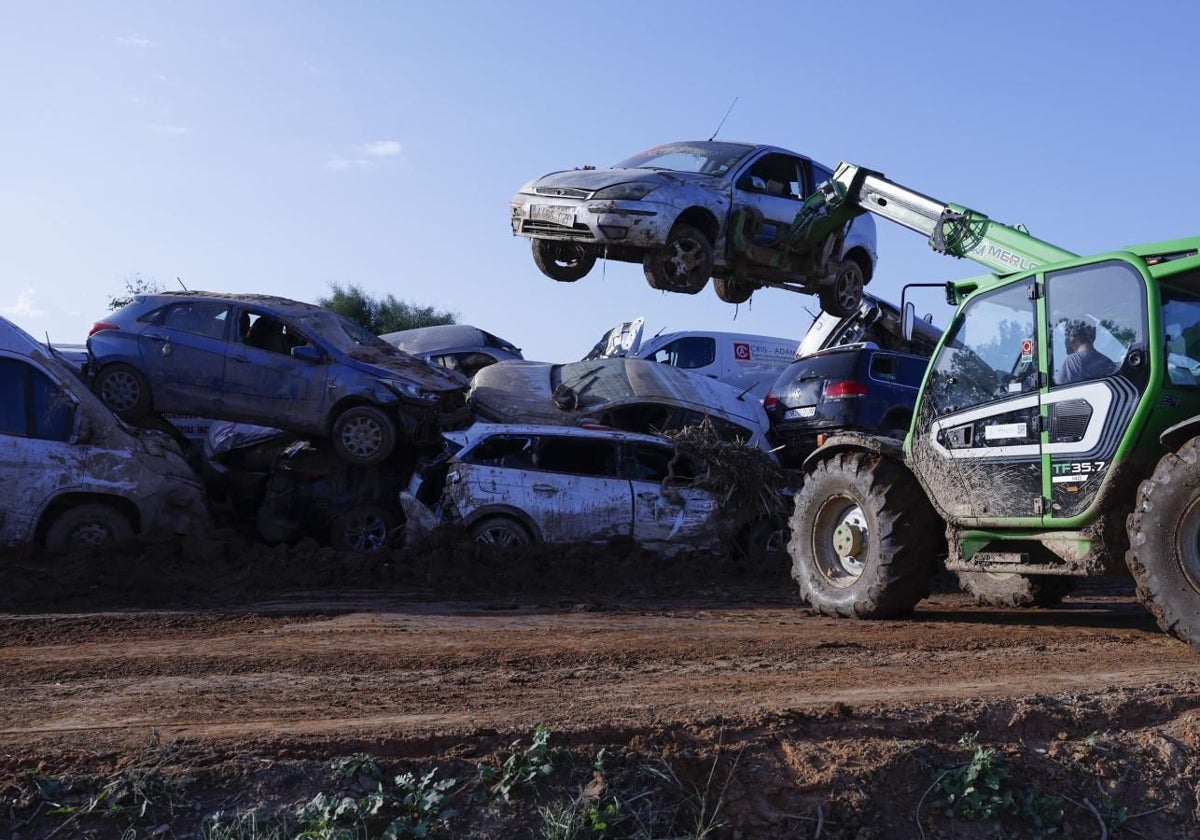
<point>76,476</point>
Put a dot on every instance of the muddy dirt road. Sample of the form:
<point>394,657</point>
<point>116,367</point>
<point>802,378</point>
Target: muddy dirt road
<point>811,726</point>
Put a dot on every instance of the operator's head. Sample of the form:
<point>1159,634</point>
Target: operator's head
<point>1079,332</point>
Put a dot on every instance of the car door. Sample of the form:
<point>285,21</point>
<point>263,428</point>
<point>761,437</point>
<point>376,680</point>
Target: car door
<point>264,382</point>
<point>666,506</point>
<point>182,352</point>
<point>775,185</point>
<point>37,459</point>
<point>574,491</point>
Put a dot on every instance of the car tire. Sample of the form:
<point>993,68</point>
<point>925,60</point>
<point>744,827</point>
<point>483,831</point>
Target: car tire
<point>562,261</point>
<point>732,290</point>
<point>363,529</point>
<point>124,390</point>
<point>87,527</point>
<point>999,589</point>
<point>363,435</point>
<point>844,295</point>
<point>683,264</point>
<point>501,532</point>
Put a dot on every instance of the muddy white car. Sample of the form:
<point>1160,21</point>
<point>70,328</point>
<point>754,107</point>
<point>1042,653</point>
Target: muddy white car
<point>633,395</point>
<point>516,484</point>
<point>673,209</point>
<point>75,477</point>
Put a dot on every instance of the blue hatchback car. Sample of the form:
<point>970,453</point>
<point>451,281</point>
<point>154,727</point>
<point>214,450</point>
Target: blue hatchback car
<point>273,362</point>
<point>858,387</point>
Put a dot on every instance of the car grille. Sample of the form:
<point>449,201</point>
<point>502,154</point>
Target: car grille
<point>562,192</point>
<point>576,231</point>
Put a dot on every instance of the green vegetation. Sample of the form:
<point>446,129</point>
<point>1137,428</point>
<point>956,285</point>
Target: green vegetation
<point>382,315</point>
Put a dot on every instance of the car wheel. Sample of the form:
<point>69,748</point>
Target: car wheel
<point>683,264</point>
<point>562,261</point>
<point>124,390</point>
<point>733,291</point>
<point>363,435</point>
<point>844,296</point>
<point>87,527</point>
<point>363,529</point>
<point>501,532</point>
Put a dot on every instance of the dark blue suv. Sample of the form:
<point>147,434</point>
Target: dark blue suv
<point>859,387</point>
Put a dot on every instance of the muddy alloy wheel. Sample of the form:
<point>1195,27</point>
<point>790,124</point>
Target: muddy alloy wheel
<point>364,529</point>
<point>500,532</point>
<point>87,527</point>
<point>683,264</point>
<point>562,261</point>
<point>844,296</point>
<point>1008,589</point>
<point>731,290</point>
<point>863,538</point>
<point>124,390</point>
<point>363,435</point>
<point>1164,543</point>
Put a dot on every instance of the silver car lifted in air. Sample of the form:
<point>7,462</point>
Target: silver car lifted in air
<point>687,212</point>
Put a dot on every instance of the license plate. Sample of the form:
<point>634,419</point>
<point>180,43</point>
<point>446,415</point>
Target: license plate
<point>800,413</point>
<point>554,214</point>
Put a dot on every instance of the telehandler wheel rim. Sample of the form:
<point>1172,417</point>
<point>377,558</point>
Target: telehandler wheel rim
<point>1187,543</point>
<point>841,540</point>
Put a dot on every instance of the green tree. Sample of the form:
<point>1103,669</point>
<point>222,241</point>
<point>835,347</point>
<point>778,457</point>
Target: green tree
<point>135,285</point>
<point>382,315</point>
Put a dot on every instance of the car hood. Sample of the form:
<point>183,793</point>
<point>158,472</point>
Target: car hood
<point>537,392</point>
<point>595,179</point>
<point>390,365</point>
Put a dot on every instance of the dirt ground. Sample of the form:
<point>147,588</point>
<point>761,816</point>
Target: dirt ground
<point>148,690</point>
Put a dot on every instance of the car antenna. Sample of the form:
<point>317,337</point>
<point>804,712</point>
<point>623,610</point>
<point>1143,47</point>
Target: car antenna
<point>722,122</point>
<point>180,282</point>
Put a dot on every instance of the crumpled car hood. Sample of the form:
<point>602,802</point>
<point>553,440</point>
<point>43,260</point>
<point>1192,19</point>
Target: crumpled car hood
<point>595,179</point>
<point>389,365</point>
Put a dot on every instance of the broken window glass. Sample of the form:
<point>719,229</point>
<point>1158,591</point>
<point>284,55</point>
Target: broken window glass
<point>577,456</point>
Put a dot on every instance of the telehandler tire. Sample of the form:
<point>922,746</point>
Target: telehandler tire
<point>864,538</point>
<point>1164,543</point>
<point>996,589</point>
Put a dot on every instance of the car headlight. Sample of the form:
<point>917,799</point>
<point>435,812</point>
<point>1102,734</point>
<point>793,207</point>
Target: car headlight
<point>633,191</point>
<point>412,391</point>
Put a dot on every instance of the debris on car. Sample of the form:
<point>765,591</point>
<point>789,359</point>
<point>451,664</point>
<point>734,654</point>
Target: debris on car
<point>633,395</point>
<point>76,478</point>
<point>272,361</point>
<point>512,485</point>
<point>457,347</point>
<point>673,209</point>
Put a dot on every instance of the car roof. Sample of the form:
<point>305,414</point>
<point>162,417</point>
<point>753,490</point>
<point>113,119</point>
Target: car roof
<point>446,337</point>
<point>247,299</point>
<point>482,429</point>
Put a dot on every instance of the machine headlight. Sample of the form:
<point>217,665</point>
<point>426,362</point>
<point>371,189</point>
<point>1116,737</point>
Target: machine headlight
<point>632,191</point>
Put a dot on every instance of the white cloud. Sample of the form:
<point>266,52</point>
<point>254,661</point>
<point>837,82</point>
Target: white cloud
<point>25,307</point>
<point>382,148</point>
<point>344,164</point>
<point>170,129</point>
<point>135,41</point>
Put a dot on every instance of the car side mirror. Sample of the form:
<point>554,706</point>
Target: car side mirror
<point>906,321</point>
<point>306,353</point>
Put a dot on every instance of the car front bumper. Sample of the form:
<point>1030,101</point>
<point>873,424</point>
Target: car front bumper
<point>638,224</point>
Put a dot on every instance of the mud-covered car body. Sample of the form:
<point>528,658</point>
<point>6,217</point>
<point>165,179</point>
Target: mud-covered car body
<point>631,208</point>
<point>634,395</point>
<point>856,387</point>
<point>515,483</point>
<point>458,347</point>
<point>305,370</point>
<point>74,475</point>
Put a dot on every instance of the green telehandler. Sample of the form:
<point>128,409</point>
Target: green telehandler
<point>1056,433</point>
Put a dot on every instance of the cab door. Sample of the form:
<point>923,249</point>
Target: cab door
<point>978,448</point>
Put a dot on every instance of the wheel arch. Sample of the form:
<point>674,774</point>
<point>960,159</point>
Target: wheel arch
<point>65,501</point>
<point>702,219</point>
<point>887,447</point>
<point>506,511</point>
<point>859,254</point>
<point>1179,434</point>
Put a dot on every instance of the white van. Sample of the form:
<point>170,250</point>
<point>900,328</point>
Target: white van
<point>750,363</point>
<point>74,476</point>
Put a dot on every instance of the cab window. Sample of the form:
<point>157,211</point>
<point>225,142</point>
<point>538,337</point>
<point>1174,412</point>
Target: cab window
<point>1181,332</point>
<point>1097,315</point>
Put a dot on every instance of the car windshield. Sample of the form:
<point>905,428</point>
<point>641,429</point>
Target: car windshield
<point>701,158</point>
<point>341,332</point>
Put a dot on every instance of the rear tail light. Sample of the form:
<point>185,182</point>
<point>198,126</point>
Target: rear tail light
<point>770,401</point>
<point>100,326</point>
<point>843,389</point>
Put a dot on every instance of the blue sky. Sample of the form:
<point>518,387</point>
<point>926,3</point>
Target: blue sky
<point>279,147</point>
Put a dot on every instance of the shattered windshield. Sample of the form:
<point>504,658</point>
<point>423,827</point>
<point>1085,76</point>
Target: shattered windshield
<point>700,158</point>
<point>343,333</point>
